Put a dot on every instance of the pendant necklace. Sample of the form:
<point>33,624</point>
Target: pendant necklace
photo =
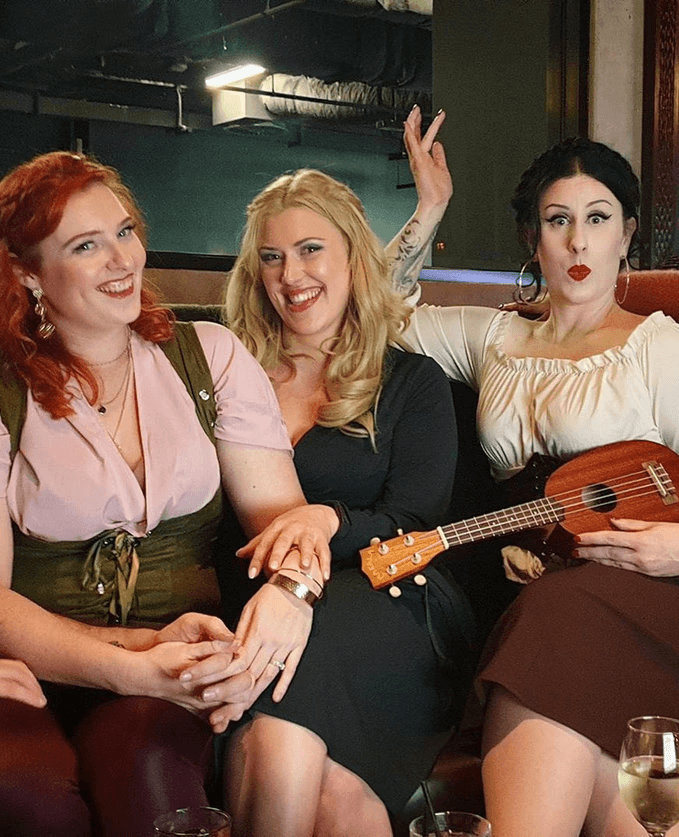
<point>103,406</point>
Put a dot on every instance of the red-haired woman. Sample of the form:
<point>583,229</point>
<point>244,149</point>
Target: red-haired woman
<point>111,480</point>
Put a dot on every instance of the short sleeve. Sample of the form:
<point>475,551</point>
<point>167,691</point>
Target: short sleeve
<point>247,408</point>
<point>5,460</point>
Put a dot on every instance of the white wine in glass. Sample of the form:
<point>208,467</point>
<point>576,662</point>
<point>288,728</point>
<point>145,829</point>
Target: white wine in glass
<point>648,775</point>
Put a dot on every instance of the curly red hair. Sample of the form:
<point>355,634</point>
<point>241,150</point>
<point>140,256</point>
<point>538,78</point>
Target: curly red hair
<point>32,201</point>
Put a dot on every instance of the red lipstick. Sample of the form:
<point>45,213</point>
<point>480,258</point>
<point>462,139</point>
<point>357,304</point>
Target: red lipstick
<point>579,272</point>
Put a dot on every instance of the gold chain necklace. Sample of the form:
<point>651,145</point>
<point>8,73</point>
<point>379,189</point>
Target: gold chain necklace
<point>104,405</point>
<point>128,378</point>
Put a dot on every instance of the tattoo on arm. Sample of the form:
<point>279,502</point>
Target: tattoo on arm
<point>411,253</point>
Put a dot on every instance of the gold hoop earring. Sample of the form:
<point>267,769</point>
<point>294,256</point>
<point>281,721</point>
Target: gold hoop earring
<point>624,296</point>
<point>520,288</point>
<point>45,327</point>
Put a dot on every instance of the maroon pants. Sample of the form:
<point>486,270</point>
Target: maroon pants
<point>96,763</point>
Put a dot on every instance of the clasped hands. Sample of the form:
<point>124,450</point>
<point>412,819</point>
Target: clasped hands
<point>230,671</point>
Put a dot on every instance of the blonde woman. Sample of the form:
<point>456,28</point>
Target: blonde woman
<point>382,679</point>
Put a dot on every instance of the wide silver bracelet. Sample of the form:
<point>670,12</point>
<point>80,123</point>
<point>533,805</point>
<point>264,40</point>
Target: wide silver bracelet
<point>295,587</point>
<point>306,575</point>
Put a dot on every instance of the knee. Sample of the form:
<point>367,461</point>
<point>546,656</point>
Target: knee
<point>138,731</point>
<point>345,801</point>
<point>143,747</point>
<point>39,790</point>
<point>38,803</point>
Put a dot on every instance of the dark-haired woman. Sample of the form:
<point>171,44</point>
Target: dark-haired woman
<point>111,479</point>
<point>582,650</point>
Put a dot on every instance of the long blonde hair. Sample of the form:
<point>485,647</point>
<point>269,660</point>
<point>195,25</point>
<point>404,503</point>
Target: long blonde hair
<point>375,315</point>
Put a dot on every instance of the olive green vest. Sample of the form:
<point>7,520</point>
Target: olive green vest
<point>116,577</point>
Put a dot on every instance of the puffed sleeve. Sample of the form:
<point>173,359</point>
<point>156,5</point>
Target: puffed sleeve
<point>415,496</point>
<point>659,365</point>
<point>456,337</point>
<point>247,408</point>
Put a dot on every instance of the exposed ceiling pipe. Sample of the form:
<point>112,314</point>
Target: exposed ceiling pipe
<point>267,12</point>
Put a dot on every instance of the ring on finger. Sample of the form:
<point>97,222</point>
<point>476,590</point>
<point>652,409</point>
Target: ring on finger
<point>279,665</point>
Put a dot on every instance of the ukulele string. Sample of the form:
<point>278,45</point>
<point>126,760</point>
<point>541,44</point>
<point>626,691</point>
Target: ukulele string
<point>540,512</point>
<point>635,485</point>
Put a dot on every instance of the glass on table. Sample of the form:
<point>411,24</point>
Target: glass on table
<point>452,824</point>
<point>648,775</point>
<point>193,822</point>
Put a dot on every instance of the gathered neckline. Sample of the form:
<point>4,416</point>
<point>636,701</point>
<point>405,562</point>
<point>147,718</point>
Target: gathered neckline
<point>615,354</point>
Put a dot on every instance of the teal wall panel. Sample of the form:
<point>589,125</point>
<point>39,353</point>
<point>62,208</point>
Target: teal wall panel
<point>194,188</point>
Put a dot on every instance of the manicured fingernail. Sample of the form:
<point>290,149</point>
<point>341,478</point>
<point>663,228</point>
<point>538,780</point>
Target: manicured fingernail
<point>273,565</point>
<point>440,112</point>
<point>252,572</point>
<point>185,676</point>
<point>208,694</point>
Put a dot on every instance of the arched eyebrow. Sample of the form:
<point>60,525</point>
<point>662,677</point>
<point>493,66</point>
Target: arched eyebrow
<point>565,206</point>
<point>87,233</point>
<point>296,243</point>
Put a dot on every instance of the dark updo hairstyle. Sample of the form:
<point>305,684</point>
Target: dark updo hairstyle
<point>576,155</point>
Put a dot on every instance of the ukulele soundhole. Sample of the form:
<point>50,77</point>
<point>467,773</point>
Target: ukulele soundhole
<point>599,498</point>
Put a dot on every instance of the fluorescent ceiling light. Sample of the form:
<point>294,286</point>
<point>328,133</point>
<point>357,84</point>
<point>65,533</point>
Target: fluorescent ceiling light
<point>236,74</point>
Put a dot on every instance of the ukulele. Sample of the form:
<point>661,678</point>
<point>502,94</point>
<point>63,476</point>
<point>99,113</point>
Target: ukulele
<point>633,479</point>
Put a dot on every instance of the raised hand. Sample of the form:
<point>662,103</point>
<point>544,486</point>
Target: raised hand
<point>408,250</point>
<point>428,162</point>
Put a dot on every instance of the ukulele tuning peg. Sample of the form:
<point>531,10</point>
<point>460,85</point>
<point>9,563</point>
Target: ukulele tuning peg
<point>399,531</point>
<point>420,580</point>
<point>394,591</point>
<point>374,541</point>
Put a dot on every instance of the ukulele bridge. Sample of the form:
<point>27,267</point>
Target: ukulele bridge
<point>661,480</point>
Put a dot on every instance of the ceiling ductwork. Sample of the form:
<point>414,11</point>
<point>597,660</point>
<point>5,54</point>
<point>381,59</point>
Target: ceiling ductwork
<point>371,56</point>
<point>313,97</point>
<point>283,96</point>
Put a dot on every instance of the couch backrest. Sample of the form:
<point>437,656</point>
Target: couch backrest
<point>187,312</point>
<point>653,290</point>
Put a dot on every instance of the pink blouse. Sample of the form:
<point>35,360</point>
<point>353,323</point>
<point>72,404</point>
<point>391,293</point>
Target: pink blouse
<point>69,482</point>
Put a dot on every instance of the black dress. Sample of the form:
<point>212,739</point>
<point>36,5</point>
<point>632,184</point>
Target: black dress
<point>383,680</point>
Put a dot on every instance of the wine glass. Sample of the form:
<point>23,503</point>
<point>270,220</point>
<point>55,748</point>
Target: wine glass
<point>193,822</point>
<point>648,775</point>
<point>451,824</point>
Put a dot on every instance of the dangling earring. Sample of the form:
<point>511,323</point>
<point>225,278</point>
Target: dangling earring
<point>624,296</point>
<point>45,327</point>
<point>520,288</point>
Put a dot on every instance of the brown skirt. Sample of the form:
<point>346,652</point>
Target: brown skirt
<point>591,647</point>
